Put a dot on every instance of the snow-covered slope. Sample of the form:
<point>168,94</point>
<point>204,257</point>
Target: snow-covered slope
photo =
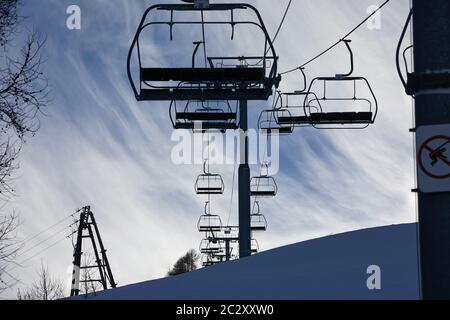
<point>333,267</point>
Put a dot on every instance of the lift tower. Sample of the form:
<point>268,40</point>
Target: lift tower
<point>430,84</point>
<point>87,229</point>
<point>227,78</point>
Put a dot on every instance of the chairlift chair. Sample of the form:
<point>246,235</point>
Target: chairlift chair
<point>210,260</point>
<point>221,78</point>
<point>209,222</point>
<point>363,108</point>
<point>268,123</point>
<point>228,232</point>
<point>209,183</point>
<point>258,221</point>
<point>254,248</point>
<point>210,246</point>
<point>268,119</point>
<point>203,116</point>
<point>298,115</point>
<point>263,186</point>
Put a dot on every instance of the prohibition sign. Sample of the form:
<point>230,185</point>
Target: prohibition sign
<point>432,154</point>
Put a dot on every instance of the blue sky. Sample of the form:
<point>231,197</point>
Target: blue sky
<point>98,146</point>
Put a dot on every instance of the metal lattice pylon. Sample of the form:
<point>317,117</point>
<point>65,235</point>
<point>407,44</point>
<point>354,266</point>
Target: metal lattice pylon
<point>87,228</point>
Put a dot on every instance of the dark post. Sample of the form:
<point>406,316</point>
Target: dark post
<point>103,252</point>
<point>227,250</point>
<point>244,185</point>
<point>432,56</point>
<point>75,290</point>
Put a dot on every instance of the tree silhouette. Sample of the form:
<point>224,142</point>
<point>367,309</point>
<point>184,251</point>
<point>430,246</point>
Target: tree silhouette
<point>9,247</point>
<point>44,288</point>
<point>23,90</point>
<point>23,94</point>
<point>186,263</point>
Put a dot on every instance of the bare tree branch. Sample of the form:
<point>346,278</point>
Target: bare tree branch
<point>8,19</point>
<point>90,275</point>
<point>44,288</point>
<point>9,248</point>
<point>23,95</point>
<point>23,91</point>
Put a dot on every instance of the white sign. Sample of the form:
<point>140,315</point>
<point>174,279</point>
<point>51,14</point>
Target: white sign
<point>433,158</point>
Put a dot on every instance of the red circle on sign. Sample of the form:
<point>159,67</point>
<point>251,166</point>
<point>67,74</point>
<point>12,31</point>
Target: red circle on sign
<point>426,147</point>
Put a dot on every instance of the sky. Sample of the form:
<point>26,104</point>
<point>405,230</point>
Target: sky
<point>98,146</point>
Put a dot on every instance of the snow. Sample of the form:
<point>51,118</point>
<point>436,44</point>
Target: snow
<point>333,267</point>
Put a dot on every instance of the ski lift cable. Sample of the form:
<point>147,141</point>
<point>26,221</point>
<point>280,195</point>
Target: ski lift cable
<point>264,156</point>
<point>339,41</point>
<point>281,23</point>
<point>278,29</point>
<point>274,103</point>
<point>232,193</point>
<point>232,189</point>
<point>209,170</point>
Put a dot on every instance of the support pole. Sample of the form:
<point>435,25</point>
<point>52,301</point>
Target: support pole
<point>432,55</point>
<point>103,253</point>
<point>98,261</point>
<point>227,250</point>
<point>75,290</point>
<point>244,184</point>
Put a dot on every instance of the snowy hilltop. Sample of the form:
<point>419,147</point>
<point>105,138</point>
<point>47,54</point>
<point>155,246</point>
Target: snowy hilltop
<point>376,263</point>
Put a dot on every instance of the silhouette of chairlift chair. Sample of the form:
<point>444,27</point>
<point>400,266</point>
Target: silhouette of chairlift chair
<point>221,257</point>
<point>205,116</point>
<point>210,260</point>
<point>263,186</point>
<point>209,183</point>
<point>228,232</point>
<point>209,222</point>
<point>206,261</point>
<point>258,221</point>
<point>268,123</point>
<point>248,78</point>
<point>254,246</point>
<point>298,114</point>
<point>210,246</point>
<point>319,116</point>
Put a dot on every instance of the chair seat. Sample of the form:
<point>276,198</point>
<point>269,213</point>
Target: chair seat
<point>329,118</point>
<point>206,116</point>
<point>341,117</point>
<point>283,130</point>
<point>221,75</point>
<point>263,193</point>
<point>209,228</point>
<point>209,190</point>
<point>210,250</point>
<point>258,228</point>
<point>293,120</point>
<point>206,126</point>
<point>204,94</point>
